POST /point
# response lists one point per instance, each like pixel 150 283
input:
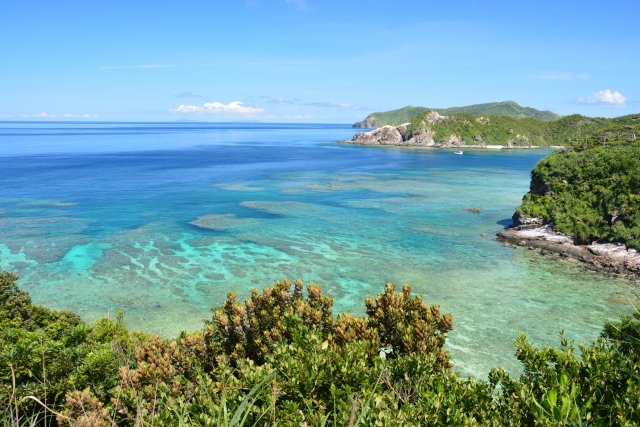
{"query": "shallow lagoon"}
pixel 162 220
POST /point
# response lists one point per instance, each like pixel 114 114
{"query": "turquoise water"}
pixel 162 220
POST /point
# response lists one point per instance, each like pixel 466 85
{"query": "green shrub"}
pixel 590 192
pixel 310 371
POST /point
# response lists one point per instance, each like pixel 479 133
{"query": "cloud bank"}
pixel 605 98
pixel 235 107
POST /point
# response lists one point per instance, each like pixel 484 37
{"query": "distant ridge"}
pixel 506 108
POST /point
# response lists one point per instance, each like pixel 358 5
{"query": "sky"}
pixel 312 61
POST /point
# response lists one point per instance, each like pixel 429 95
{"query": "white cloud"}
pixel 235 107
pixel 67 115
pixel 605 98
pixel 89 116
pixel 42 115
pixel 271 100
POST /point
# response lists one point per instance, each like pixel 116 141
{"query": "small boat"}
pixel 457 152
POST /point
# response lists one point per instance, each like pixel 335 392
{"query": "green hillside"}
pixel 507 108
pixel 498 130
pixel 591 190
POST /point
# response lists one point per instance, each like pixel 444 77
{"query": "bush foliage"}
pixel 281 358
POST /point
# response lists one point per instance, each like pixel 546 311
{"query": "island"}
pixel 432 129
pixel 505 108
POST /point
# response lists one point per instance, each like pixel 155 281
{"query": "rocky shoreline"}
pixel 611 258
pixel 404 135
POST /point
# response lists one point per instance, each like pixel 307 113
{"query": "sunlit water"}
pixel 162 220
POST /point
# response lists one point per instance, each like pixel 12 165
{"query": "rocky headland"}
pixel 423 134
pixel 535 234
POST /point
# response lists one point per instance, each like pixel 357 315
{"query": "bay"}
pixel 163 219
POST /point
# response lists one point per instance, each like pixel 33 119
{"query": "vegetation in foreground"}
pixel 591 190
pixel 506 108
pixel 281 358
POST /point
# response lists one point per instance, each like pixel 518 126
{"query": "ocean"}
pixel 162 220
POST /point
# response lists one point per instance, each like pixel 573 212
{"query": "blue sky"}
pixel 311 60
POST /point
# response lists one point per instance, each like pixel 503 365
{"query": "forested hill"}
pixel 404 115
pixel 591 190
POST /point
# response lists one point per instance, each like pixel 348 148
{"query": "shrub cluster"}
pixel 591 190
pixel 281 358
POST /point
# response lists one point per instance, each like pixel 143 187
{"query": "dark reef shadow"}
pixel 506 223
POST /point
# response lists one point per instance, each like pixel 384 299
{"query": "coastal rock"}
pixel 386 135
pixel 520 220
pixel 603 257
pixel 404 131
pixel 366 123
pixel 473 210
pixel 510 143
pixel 454 141
pixel 422 136
pixel 519 140
pixel 614 251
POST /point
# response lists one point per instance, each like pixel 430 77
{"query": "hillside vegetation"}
pixel 282 358
pixel 500 130
pixel 591 190
pixel 507 108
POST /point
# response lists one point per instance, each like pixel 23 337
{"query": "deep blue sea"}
pixel 163 219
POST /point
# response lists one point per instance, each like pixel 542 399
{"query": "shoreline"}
pixel 607 258
pixel 461 147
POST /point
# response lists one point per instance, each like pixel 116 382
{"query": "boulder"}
pixel 404 130
pixel 519 220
